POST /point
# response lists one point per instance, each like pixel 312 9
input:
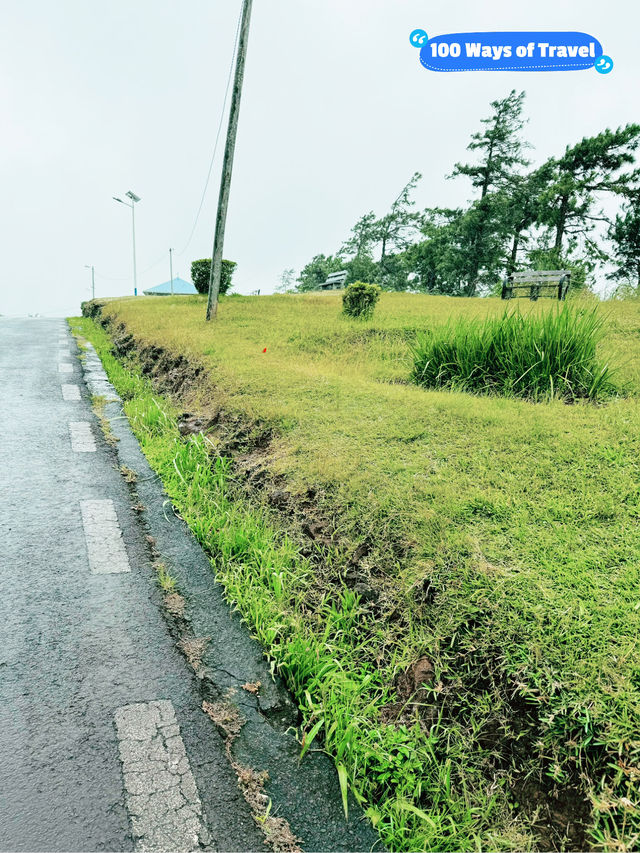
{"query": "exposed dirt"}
pixel 98 404
pixel 129 475
pixel 412 696
pixel 410 683
pixel 251 782
pixel 251 446
pixel 193 648
pixel 560 816
pixel 189 424
pixel 174 604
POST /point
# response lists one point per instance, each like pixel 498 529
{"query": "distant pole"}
pixel 135 273
pixel 93 280
pixel 134 198
pixel 227 165
pixel 171 268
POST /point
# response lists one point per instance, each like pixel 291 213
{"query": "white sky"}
pixel 337 113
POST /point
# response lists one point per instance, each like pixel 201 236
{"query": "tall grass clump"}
pixel 359 299
pixel 537 356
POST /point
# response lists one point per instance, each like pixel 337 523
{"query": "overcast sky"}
pixel 337 113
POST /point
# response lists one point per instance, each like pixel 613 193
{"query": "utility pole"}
pixel 134 198
pixel 171 268
pixel 133 225
pixel 93 280
pixel 227 165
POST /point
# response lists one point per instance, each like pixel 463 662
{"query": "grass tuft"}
pixel 544 356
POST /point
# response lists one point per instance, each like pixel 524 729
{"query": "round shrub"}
pixel 201 270
pixel 359 299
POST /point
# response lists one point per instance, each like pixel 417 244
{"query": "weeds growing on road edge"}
pixel 97 404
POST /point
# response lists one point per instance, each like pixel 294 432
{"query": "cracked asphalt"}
pixel 84 655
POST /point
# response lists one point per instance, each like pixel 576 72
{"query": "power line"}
pixel 128 277
pixel 215 147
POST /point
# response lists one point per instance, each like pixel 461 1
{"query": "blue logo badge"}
pixel 511 51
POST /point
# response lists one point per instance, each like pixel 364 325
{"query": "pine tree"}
pixel 396 230
pixel 502 155
pixel 500 144
pixel 585 170
pixel 363 237
pixel 523 208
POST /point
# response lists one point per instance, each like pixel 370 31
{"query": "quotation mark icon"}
pixel 418 38
pixel 604 64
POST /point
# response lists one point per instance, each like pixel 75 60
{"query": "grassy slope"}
pixel 515 530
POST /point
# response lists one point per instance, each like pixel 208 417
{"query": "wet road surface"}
pixel 103 745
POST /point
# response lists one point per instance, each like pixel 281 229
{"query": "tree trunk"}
pixel 562 221
pixel 383 254
pixel 514 253
pixel 489 166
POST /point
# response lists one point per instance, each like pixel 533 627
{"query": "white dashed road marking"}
pixel 107 554
pixel 160 791
pixel 82 440
pixel 65 367
pixel 70 392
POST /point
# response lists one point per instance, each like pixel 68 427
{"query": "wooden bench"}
pixel 335 281
pixel 536 283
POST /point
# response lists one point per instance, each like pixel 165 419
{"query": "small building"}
pixel 180 288
pixel 335 281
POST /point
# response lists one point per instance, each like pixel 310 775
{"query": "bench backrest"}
pixel 335 280
pixel 532 283
pixel 542 276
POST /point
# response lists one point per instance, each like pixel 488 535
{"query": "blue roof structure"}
pixel 180 287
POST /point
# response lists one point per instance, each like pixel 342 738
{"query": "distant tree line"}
pixel 548 217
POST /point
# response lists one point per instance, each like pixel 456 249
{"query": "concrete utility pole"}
pixel 227 165
pixel 171 268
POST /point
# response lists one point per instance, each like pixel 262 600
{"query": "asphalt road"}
pixel 103 745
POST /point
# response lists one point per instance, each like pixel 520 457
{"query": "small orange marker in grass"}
pixel 264 350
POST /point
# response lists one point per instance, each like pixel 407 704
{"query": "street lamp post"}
pixel 171 268
pixel 93 280
pixel 134 198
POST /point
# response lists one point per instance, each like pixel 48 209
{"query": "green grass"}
pixel 536 356
pixel 504 545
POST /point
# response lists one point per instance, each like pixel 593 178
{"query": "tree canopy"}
pixel 547 216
